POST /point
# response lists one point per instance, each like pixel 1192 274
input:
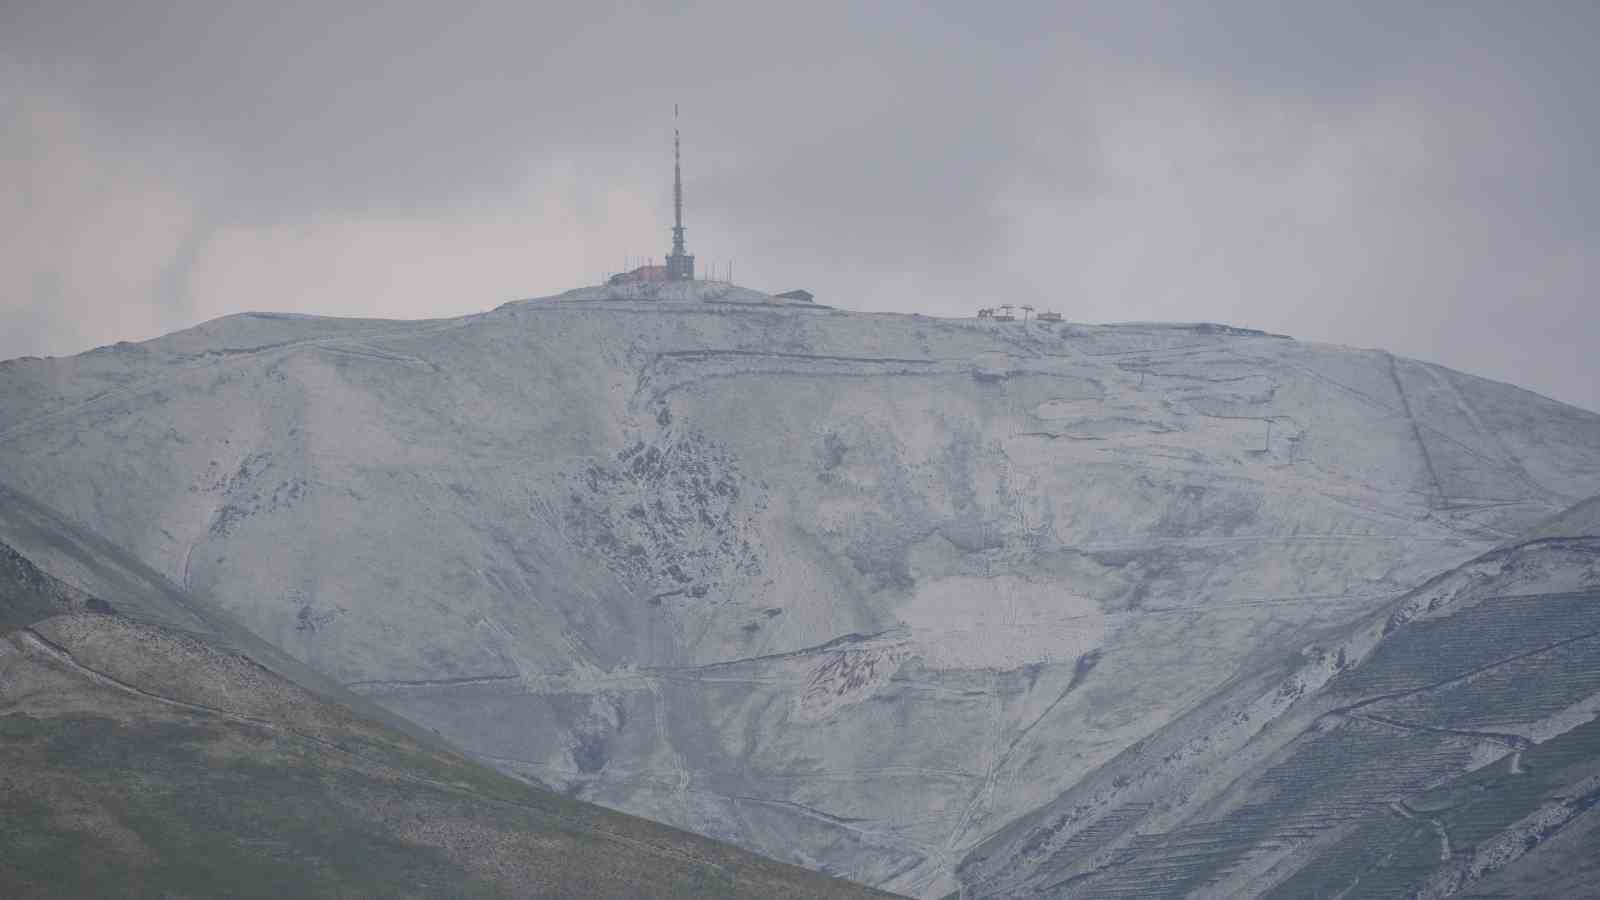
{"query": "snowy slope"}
pixel 1447 744
pixel 141 759
pixel 858 591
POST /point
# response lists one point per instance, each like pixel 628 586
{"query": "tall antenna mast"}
pixel 680 265
pixel 677 186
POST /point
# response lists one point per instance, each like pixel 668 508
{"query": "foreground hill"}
pixel 141 760
pixel 861 592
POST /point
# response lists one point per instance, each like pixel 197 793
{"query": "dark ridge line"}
pixel 109 562
pixel 1080 671
pixel 64 656
pixel 1583 592
pixel 1395 620
pixel 1416 430
pixel 370 353
pixel 852 638
pixel 827 817
pixel 1514 741
pixel 1054 436
pixel 1350 709
pixel 432 682
pixel 1476 420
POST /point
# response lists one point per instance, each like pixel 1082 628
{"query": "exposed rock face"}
pixel 857 591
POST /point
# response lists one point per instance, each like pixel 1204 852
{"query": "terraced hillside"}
pixel 141 760
pixel 861 592
pixel 1448 746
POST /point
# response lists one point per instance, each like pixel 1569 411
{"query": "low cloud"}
pixel 1413 177
pixel 88 236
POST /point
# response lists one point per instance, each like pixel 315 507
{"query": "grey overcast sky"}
pixel 1415 176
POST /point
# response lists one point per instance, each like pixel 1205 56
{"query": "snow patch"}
pixel 1002 622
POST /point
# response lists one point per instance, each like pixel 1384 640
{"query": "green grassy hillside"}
pixel 138 760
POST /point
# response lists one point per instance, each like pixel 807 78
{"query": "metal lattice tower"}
pixel 680 265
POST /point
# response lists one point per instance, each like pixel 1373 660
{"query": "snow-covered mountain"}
pixel 863 592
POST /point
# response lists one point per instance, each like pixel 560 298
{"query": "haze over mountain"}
pixel 932 604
